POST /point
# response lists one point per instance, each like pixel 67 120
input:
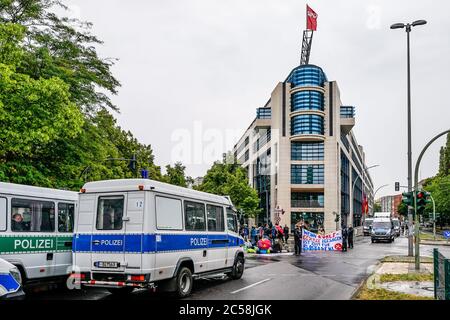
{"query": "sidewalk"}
pixel 398 279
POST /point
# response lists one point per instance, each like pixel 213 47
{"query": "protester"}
pixel 286 233
pixel 350 232
pixel 298 239
pixel 321 231
pixel 260 231
pixel 245 232
pixel 253 235
pixel 344 238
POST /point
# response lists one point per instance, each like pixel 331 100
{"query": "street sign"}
pixel 446 234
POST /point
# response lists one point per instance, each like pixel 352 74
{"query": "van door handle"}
pixel 204 253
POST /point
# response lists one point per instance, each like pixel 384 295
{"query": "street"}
pixel 314 275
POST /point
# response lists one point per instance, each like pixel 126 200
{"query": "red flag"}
pixel 365 205
pixel 311 19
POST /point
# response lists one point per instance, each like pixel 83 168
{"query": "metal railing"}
pixel 441 276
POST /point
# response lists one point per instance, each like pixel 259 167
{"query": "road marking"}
pixel 250 286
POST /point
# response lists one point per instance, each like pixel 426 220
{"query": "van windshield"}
pixel 381 225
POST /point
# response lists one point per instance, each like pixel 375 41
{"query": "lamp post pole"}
pixel 353 187
pixel 407 27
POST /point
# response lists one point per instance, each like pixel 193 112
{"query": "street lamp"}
pixel 408 30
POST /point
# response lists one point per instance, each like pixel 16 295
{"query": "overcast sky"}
pixel 194 71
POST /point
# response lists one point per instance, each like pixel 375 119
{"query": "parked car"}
pixel 382 230
pixel 397 229
pixel 10 281
pixel 367 227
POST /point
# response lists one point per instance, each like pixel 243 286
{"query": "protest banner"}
pixel 329 242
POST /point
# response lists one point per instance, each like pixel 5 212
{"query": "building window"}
pixel 312 220
pixel 307 76
pixel 347 112
pixel 307 174
pixel 345 184
pixel 215 218
pixel 262 140
pixel 263 113
pixel 307 124
pixel 357 199
pixel 307 150
pixel 307 100
pixel 307 200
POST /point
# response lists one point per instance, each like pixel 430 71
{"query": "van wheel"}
pixel 120 291
pixel 184 282
pixel 238 268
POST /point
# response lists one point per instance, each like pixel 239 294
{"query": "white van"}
pixel 386 215
pixel 140 233
pixel 36 230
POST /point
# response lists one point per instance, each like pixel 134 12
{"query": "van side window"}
pixel 169 214
pixel 194 213
pixel 231 221
pixel 215 218
pixel 66 215
pixel 3 214
pixel 110 213
pixel 32 215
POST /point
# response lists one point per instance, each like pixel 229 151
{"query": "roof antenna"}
pixel 311 26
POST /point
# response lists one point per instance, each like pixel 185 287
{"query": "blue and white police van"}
pixel 140 233
pixel 10 281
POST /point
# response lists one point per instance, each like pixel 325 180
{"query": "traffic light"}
pixel 407 198
pixel 422 198
pixel 397 186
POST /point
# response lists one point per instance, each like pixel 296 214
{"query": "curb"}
pixel 364 282
pixel 434 243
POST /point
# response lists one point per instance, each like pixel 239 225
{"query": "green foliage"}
pixel 439 187
pixel 402 209
pixel 56 46
pixel 55 127
pixel 176 175
pixel 376 207
pixel 444 158
pixel 230 179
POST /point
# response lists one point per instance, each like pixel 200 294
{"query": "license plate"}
pixel 106 264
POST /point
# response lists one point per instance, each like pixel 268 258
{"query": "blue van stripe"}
pixel 151 243
pixel 9 283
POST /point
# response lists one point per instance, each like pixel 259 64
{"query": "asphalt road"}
pixel 313 275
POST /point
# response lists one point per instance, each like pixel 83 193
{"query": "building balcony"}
pixel 262 123
pixel 347 118
pixel 306 204
pixel 307 137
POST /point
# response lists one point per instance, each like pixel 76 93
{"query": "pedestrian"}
pixel 298 239
pixel 344 238
pixel 260 232
pixel 253 235
pixel 350 236
pixel 286 233
pixel 245 232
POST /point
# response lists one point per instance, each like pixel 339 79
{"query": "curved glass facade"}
pixel 307 75
pixel 307 100
pixel 307 124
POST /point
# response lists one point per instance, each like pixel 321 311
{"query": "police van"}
pixel 10 281
pixel 36 230
pixel 140 233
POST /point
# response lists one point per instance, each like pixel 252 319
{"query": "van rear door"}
pixel 133 224
pixel 108 233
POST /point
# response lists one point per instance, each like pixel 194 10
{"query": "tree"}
pixel 402 209
pixel 64 48
pixel 56 129
pixel 444 158
pixel 230 179
pixel 376 207
pixel 439 187
pixel 176 175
